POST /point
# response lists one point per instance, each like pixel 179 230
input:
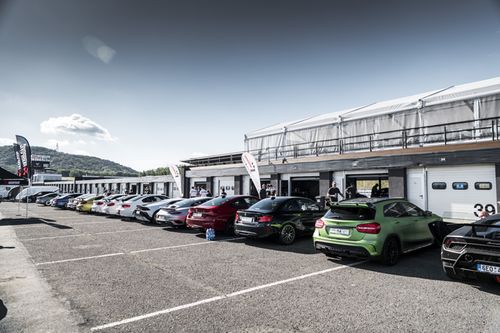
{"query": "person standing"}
pixel 193 193
pixel 333 193
pixel 350 191
pixel 203 192
pixel 263 192
pixel 223 191
pixel 375 191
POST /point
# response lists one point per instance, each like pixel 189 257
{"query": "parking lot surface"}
pixel 108 275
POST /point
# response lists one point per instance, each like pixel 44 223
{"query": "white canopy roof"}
pixel 440 96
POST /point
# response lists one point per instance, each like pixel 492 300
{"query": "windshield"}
pixel 216 201
pixel 267 205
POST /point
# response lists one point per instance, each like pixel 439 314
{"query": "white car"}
pixel 147 213
pixel 111 207
pixel 126 209
pixel 98 205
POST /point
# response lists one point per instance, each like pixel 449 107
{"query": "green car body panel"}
pixel 341 236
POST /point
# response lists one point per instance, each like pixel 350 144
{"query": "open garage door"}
pixel 368 185
pixel 307 187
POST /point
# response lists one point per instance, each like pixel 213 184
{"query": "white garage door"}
pixel 461 192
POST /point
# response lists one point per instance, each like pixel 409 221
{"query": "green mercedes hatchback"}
pixel 373 228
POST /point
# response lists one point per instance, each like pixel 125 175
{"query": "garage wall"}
pixel 227 182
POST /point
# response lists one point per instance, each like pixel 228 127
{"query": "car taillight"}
pixel 265 219
pixel 125 206
pixel 190 213
pixel 99 203
pixel 236 217
pixel 453 244
pixel 111 204
pixel 369 228
pixel 319 224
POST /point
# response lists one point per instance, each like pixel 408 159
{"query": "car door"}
pixel 310 212
pixel 396 218
pixel 421 234
pixel 290 212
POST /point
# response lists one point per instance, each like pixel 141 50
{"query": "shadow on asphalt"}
pixel 23 221
pixel 303 245
pixel 424 264
pixel 184 231
pixel 3 310
pixel 7 247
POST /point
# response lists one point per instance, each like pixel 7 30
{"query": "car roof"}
pixel 368 201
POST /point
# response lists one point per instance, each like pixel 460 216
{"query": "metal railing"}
pixel 486 129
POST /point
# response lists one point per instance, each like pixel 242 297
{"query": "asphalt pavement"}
pixel 100 274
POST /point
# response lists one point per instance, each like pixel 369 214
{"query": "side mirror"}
pixel 427 213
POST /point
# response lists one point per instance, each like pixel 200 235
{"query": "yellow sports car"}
pixel 86 205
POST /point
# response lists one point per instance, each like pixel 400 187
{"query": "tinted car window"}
pixel 411 209
pixel 307 205
pixel 394 209
pixel 267 205
pixel 239 203
pixel 291 205
pixel 350 213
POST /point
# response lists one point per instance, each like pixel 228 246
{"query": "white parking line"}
pixel 217 298
pixel 78 259
pixel 85 234
pixel 185 245
pixel 133 252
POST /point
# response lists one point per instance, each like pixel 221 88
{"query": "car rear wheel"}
pixel 287 234
pixel 390 252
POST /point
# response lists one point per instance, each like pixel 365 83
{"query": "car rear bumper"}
pixel 258 231
pixel 205 223
pixel 342 250
pixel 465 262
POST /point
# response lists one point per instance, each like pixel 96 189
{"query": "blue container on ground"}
pixel 210 234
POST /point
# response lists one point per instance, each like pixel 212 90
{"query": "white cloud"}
pixel 6 141
pixel 80 152
pixel 98 49
pixel 75 124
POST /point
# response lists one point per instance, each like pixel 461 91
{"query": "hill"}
pixel 69 164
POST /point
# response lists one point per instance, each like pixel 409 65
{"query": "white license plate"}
pixel 488 269
pixel 340 231
pixel 246 219
pixel 197 214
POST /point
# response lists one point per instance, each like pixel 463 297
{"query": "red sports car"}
pixel 218 213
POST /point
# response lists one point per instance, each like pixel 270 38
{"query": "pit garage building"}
pixel 439 149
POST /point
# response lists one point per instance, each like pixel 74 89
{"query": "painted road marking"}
pixel 85 234
pixel 221 297
pixel 185 245
pixel 78 259
pixel 133 252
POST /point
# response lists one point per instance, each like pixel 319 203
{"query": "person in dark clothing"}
pixel 333 193
pixel 263 192
pixel 350 191
pixel 375 191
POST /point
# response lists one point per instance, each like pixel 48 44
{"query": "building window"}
pixel 460 185
pixel 483 186
pixel 439 186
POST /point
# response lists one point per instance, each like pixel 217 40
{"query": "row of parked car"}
pixel 381 228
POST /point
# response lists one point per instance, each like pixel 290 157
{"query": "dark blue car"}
pixel 61 201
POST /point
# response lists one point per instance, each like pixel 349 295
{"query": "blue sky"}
pixel 147 83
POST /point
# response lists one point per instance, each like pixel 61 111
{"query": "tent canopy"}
pixel 8 178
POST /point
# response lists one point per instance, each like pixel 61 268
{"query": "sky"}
pixel 148 83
